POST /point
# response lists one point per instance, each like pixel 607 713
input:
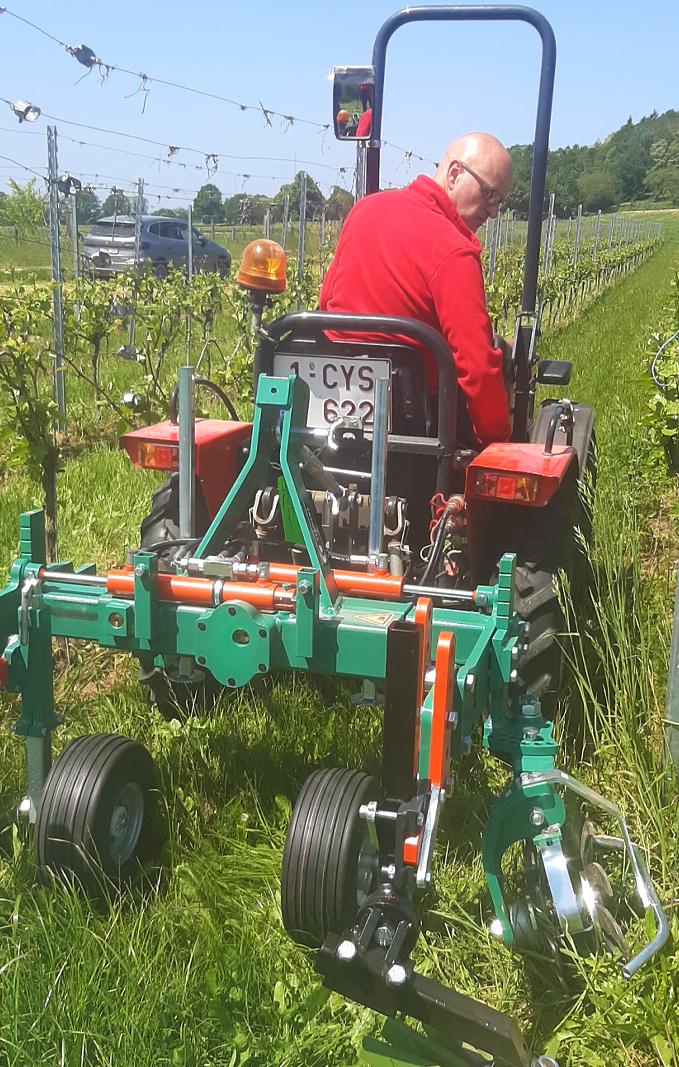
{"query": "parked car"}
pixel 109 246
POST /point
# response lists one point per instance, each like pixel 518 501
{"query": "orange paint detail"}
pixel 439 745
pixel 411 848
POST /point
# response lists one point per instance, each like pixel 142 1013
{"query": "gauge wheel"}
pixel 329 865
pixel 99 823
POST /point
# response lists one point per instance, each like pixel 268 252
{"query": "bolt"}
pixel 470 681
pixel 516 652
pixel 537 816
pixel 304 587
pixel 466 746
pixel 452 719
pixel 384 935
pixel 530 733
pixel 545 1061
pixel 553 829
pixel 346 950
pixel 513 675
pixel 396 975
pixel 140 570
pixel 390 872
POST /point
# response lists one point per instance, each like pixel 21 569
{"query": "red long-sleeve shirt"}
pixel 407 252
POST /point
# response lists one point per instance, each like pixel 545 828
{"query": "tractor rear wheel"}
pixel 536 602
pixel 99 822
pixel 162 522
pixel 161 526
pixel 329 866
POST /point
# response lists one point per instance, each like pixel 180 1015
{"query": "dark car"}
pixel 109 246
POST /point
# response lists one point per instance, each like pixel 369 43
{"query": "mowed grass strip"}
pixel 201 973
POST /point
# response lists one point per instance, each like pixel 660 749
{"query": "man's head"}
pixel 476 175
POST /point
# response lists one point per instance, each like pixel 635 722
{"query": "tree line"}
pixel 639 162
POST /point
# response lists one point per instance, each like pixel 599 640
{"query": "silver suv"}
pixel 108 248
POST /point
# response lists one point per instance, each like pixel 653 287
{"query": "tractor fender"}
pixel 514 473
pixel 583 430
pixel 219 453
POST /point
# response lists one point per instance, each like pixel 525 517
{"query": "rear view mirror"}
pixel 353 98
pixel 554 371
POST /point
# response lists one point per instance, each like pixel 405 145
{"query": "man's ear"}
pixel 453 172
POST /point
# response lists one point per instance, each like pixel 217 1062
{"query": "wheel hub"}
pixel 126 822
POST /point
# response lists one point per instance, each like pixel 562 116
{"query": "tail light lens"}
pixel 513 487
pixel 159 457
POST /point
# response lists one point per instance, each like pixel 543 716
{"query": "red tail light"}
pixel 150 454
pixel 516 473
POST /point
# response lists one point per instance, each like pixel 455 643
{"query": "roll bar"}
pixel 482 13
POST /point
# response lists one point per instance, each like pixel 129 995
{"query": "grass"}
pixel 201 973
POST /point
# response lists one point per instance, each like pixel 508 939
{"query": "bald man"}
pixel 413 252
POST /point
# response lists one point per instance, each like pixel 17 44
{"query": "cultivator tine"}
pixel 456 1017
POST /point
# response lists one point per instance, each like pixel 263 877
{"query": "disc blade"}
pixel 587 843
pixel 598 880
pixel 611 931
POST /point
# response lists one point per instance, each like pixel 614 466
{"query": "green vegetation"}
pixel 638 162
pixel 200 974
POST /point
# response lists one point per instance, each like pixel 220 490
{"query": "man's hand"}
pixel 507 348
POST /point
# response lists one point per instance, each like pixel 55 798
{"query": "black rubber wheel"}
pixel 162 522
pixel 99 823
pixel 162 525
pixel 329 866
pixel 537 603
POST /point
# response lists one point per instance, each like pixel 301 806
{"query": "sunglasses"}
pixel 493 197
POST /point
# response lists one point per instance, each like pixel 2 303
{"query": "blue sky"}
pixel 613 60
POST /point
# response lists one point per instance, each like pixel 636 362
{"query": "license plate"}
pixel 338 388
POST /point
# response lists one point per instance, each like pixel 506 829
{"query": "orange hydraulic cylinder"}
pixel 356 583
pixel 266 596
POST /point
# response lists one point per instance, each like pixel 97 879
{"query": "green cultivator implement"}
pixel 359 852
pixel 349 530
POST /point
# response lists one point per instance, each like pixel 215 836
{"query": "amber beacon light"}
pixel 262 267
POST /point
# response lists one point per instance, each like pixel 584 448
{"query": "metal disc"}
pixel 598 880
pixel 610 931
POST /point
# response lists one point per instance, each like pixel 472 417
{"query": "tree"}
pixel 88 205
pixel 236 209
pixel 598 190
pixel 207 205
pixel 23 207
pixel 663 183
pixel 338 204
pixel 116 203
pixel 172 212
pixel 315 201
